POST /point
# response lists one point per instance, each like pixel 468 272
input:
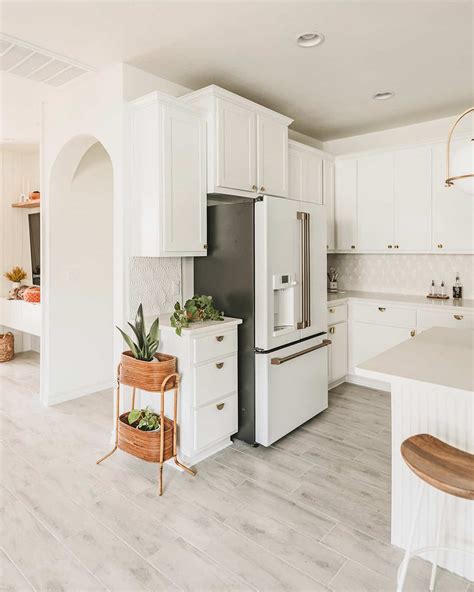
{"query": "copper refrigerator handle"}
pixel 308 270
pixel 302 216
pixel 278 361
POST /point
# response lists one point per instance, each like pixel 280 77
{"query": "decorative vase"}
pixel 15 285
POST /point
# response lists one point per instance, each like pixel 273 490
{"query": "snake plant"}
pixel 146 344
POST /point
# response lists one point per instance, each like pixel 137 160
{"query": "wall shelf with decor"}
pixel 34 203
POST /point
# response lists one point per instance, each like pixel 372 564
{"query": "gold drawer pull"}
pixel 458 317
pixel 332 330
pixel 332 310
pixel 220 406
pixel 413 332
pixel 220 365
pixel 220 338
pixel 382 309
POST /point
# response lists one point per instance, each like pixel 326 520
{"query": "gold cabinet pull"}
pixel 262 188
pixel 353 246
pixel 205 247
pixel 220 406
pixel 220 337
pixel 382 309
pixel 440 246
pixel 389 246
pixel 413 332
pixel 254 187
pixel 396 247
pixel 332 310
pixel 332 330
pixel 458 317
pixel 220 365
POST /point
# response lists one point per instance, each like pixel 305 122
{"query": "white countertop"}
pixel 408 299
pixel 199 327
pixel 438 356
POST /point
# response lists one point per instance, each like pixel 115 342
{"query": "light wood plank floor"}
pixel 310 513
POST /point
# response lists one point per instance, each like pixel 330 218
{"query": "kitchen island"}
pixel 432 389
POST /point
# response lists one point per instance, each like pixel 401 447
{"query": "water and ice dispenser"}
pixel 284 302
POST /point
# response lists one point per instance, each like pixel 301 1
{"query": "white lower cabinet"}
pixel 207 364
pixel 337 352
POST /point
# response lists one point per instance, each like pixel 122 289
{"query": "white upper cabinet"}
pixel 247 144
pixel 412 199
pixel 236 166
pixel 453 210
pixel 375 202
pixel 305 172
pixel 272 150
pixel 328 195
pixel 346 204
pixel 167 178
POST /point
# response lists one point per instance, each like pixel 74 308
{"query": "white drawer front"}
pixel 435 318
pixel 337 314
pixel 215 379
pixel 215 422
pixel 214 346
pixel 383 314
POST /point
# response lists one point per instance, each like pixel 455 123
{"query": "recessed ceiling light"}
pixel 383 96
pixel 310 39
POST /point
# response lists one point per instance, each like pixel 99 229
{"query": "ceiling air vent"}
pixel 37 64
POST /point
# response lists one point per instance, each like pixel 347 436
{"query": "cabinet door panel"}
pixel 236 145
pixel 272 150
pixel 453 209
pixel 184 182
pixel 313 178
pixel 412 199
pixel 346 204
pixel 295 173
pixel 328 200
pixel 338 363
pixel 375 202
pixel 367 340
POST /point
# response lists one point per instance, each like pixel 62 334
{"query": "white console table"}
pixel 25 317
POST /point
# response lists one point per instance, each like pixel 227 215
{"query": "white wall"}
pixel 428 131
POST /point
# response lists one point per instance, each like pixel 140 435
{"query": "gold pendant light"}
pixel 462 171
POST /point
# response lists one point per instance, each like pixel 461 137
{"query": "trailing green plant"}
pixel 146 419
pixel 146 344
pixel 16 274
pixel 197 308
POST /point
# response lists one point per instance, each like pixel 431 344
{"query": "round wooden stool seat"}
pixel 442 466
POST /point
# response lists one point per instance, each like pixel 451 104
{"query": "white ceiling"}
pixel 420 50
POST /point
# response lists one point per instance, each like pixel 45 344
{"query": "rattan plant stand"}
pixel 157 446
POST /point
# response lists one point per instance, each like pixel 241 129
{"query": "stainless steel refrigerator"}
pixel 266 264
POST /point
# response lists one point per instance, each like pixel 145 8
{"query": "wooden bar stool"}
pixel 448 470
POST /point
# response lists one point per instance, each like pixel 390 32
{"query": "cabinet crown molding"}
pixel 214 91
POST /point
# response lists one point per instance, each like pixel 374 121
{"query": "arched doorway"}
pixel 77 342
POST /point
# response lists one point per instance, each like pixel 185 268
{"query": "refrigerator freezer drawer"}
pixel 291 388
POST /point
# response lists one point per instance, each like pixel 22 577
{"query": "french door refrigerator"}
pixel 266 264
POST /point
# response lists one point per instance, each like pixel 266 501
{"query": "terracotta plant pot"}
pixel 147 376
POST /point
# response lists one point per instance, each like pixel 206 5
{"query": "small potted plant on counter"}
pixel 142 366
pixel 16 276
pixel 198 308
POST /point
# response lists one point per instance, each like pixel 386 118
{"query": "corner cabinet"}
pixel 167 178
pixel 346 205
pixel 247 144
pixel 305 173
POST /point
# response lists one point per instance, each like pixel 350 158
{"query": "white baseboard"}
pixel 368 382
pixel 337 382
pixel 76 394
pixel 200 456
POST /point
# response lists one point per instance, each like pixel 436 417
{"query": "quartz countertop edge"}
pixel 400 299
pixel 199 327
pixel 440 356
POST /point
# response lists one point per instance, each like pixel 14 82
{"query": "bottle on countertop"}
pixel 442 291
pixel 457 288
pixel 433 288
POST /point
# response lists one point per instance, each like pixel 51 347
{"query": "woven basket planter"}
pixel 147 376
pixel 7 347
pixel 145 445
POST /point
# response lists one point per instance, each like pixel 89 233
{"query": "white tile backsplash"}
pixel 155 282
pixel 403 274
